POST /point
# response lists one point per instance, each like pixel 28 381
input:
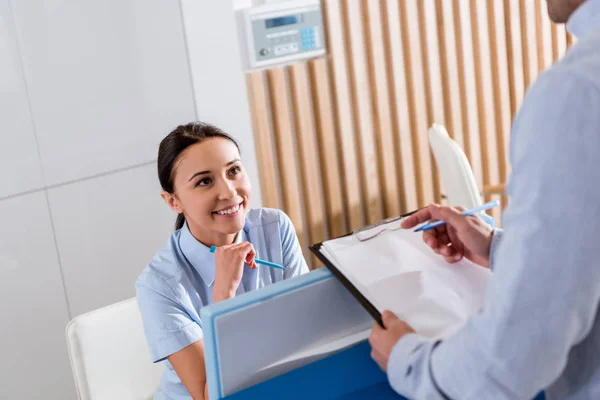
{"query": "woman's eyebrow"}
pixel 208 172
pixel 199 173
pixel 232 162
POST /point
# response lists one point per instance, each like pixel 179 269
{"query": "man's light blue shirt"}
pixel 179 280
pixel 540 327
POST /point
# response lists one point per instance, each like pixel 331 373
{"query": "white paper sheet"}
pixel 397 271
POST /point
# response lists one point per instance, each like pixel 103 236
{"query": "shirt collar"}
pixel 199 255
pixel 585 19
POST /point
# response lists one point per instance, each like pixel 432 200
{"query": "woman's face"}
pixel 212 190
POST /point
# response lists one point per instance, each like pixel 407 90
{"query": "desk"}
pixel 348 375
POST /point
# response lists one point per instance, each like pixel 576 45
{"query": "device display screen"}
pixel 282 21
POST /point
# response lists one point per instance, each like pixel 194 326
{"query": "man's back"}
pixel 581 377
pixel 571 161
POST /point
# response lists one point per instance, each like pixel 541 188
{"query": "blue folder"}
pixel 349 375
pixel 280 319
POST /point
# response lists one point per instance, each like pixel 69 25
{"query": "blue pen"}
pixel 256 260
pixel 475 210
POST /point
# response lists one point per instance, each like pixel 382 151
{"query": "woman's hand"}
pixel 229 268
pixel 460 237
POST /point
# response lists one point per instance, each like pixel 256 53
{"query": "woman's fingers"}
pixel 245 251
pixel 249 254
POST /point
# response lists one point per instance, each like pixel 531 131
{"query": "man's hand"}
pixel 383 340
pixel 461 236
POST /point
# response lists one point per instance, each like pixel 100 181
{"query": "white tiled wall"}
pixel 106 80
pixel 34 312
pixel 107 228
pixel 17 141
pixel 87 90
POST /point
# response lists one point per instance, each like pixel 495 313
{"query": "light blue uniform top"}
pixel 540 328
pixel 179 280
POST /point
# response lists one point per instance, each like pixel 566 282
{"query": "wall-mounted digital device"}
pixel 281 32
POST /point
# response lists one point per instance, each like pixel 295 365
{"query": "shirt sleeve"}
pixel 167 326
pixel 293 259
pixel 544 294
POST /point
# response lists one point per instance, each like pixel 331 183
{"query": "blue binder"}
pixel 349 375
pixel 243 336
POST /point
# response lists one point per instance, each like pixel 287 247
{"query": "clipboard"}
pixel 316 250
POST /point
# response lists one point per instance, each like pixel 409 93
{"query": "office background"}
pixel 353 126
pixel 88 89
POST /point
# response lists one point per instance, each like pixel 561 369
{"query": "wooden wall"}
pixel 341 141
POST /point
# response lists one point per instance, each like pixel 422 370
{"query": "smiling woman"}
pixel 204 181
pixel 201 174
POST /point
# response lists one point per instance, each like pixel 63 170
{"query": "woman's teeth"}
pixel 231 210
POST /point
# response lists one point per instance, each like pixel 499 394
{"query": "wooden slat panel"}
pixel 561 30
pixel 328 147
pixel 384 134
pixel 263 138
pixel 411 41
pixel 529 42
pixel 308 154
pixel 512 17
pixel 400 111
pixel 468 88
pixel 363 110
pixel 433 84
pixel 544 35
pixel 284 139
pixel 559 41
pixel 500 78
pixel 451 76
pixel 393 68
pixel 344 112
pixel 484 83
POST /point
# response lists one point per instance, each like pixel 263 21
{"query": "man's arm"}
pixel 543 297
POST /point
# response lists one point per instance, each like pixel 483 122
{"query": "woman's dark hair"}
pixel 175 143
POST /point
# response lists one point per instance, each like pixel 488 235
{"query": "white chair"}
pixel 109 355
pixel 455 171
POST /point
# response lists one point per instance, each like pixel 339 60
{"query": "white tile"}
pixel 219 87
pixel 34 310
pixel 107 79
pixel 107 229
pixel 20 168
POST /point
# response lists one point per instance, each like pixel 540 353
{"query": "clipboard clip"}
pixel 371 231
pixel 374 230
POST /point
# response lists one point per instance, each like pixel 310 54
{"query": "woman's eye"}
pixel 235 170
pixel 204 182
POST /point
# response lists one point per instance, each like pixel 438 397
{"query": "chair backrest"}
pixel 455 171
pixel 109 355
